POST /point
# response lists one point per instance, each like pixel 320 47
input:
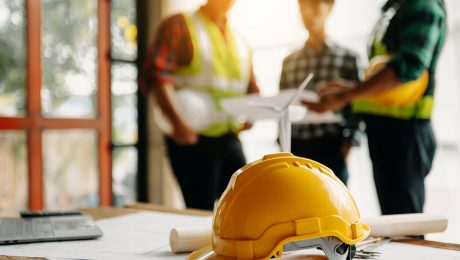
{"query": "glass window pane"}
pixel 70 168
pixel 12 61
pixel 13 177
pixel 124 128
pixel 123 29
pixel 124 78
pixel 69 55
pixel 124 103
pixel 124 175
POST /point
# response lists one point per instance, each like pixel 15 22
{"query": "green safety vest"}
pixel 220 67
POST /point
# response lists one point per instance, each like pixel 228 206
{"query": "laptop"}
pixel 43 229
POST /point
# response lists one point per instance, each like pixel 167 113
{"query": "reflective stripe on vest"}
pixel 220 67
pixel 421 110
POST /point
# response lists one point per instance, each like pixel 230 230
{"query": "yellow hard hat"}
pixel 403 95
pixel 278 201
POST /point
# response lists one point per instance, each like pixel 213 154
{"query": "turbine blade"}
pixel 299 91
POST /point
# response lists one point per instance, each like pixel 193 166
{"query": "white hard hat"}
pixel 196 107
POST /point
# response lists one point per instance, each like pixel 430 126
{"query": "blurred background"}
pixel 76 132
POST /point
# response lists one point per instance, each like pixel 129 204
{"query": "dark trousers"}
pixel 203 170
pixel 326 150
pixel 402 153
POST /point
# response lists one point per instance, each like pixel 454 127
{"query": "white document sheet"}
pixel 403 251
pixel 138 236
pixel 251 107
pixel 389 251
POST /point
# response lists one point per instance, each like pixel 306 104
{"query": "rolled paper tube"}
pixel 406 224
pixel 189 239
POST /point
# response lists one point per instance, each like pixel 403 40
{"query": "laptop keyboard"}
pixel 19 228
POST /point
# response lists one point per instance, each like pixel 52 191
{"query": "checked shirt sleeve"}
pixel 420 29
pixel 171 48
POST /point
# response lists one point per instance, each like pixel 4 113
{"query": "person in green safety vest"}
pixel 397 100
pixel 197 53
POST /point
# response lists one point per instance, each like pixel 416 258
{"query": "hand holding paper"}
pixel 331 97
pixel 253 107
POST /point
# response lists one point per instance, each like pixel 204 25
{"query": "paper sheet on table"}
pixel 246 107
pixel 390 251
pixel 138 236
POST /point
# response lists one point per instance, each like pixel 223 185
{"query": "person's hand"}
pixel 332 97
pixel 183 134
pixel 245 126
pixel 326 103
pixel 332 87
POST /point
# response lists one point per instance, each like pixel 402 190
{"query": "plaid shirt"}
pixel 172 48
pixel 333 63
pixel 415 34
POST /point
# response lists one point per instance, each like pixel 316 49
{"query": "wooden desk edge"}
pixel 193 212
pixel 110 212
pixel 429 243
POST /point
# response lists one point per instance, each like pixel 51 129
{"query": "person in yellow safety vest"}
pixel 397 100
pixel 199 52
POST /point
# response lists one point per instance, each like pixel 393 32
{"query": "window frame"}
pixel 34 122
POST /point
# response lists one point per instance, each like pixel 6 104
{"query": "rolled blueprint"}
pixel 405 224
pixel 189 239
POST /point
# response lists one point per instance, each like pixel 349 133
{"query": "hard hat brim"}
pixel 206 253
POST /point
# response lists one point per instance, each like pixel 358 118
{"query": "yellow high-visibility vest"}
pixel 220 67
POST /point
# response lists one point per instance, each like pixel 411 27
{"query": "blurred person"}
pixel 200 52
pixel 397 100
pixel 328 143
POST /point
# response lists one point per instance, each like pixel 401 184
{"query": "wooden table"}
pixel 109 212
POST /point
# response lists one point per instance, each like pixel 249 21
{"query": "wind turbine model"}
pixel 287 113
